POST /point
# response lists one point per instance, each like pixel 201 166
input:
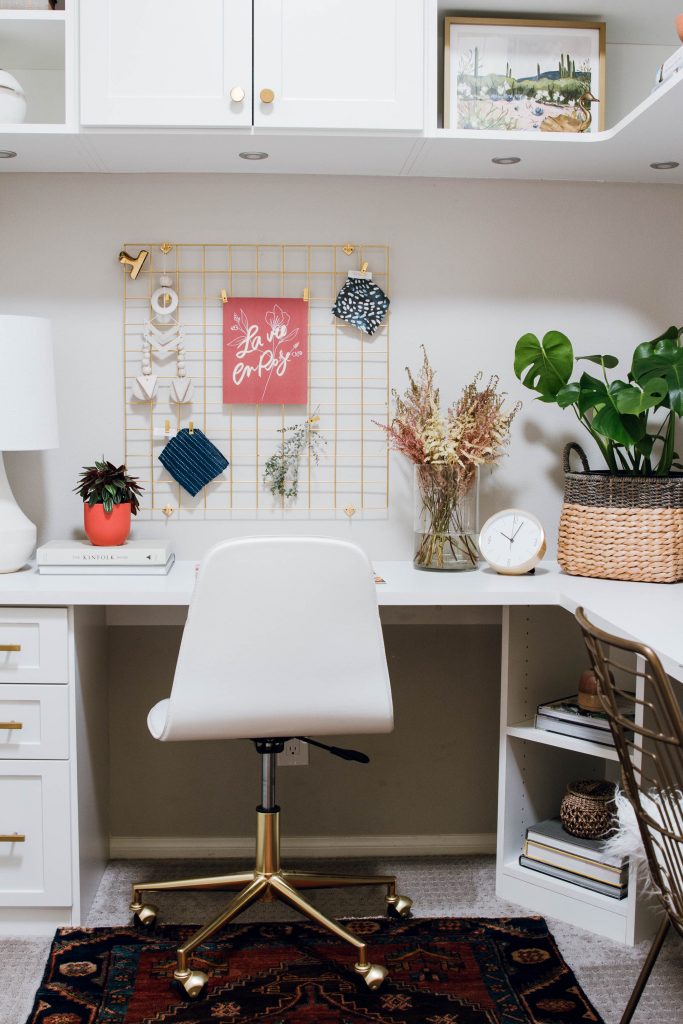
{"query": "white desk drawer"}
pixel 35 871
pixel 33 645
pixel 34 722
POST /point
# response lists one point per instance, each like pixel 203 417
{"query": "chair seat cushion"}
pixel 156 719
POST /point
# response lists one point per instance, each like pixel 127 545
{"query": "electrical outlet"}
pixel 295 752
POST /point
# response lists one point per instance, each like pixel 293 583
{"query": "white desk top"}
pixel 650 612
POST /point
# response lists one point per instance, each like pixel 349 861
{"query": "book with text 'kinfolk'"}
pixel 83 553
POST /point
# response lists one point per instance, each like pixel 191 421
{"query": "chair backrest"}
pixel 647 726
pixel 282 638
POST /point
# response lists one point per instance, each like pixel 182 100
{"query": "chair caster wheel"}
pixel 373 975
pixel 191 984
pixel 399 906
pixel 144 914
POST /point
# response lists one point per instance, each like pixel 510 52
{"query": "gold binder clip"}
pixel 191 427
pixel 134 262
pixel 167 427
pixel 306 294
pixel 224 296
pixel 167 510
pixel 348 249
pixel 166 248
pixel 350 511
pixel 364 268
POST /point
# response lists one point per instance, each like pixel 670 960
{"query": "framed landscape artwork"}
pixel 506 74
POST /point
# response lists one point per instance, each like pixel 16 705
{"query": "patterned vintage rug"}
pixel 442 971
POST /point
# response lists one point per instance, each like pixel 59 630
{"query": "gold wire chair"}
pixel 651 757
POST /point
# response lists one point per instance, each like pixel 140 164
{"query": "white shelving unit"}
pixel 36 47
pixel 543 656
pixel 40 48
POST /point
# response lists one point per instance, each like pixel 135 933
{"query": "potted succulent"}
pixel 110 497
pixel 625 522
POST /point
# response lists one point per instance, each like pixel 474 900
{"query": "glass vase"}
pixel 446 518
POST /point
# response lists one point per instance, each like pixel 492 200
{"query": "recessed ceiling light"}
pixel 664 165
pixel 505 160
pixel 7 154
pixel 253 155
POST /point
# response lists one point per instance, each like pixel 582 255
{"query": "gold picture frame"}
pixel 482 94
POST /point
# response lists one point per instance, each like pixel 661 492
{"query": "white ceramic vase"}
pixel 12 100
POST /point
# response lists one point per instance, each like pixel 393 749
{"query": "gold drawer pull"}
pixel 10 647
pixel 11 725
pixel 14 838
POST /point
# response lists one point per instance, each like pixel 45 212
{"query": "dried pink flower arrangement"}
pixel 447 451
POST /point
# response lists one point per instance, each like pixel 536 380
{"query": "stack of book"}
pixel 548 848
pixel 81 558
pixel 564 716
pixel 669 68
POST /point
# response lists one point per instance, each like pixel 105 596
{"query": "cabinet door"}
pixel 165 62
pixel 338 64
pixel 35 834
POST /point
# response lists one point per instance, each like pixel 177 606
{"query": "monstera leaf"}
pixel 662 359
pixel 548 363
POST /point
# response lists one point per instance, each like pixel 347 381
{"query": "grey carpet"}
pixel 439 886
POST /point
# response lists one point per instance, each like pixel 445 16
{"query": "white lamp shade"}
pixel 28 400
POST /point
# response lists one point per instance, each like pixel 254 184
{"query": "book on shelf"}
pixel 576 729
pixel 82 552
pixel 613 891
pixel 549 843
pixel 566 717
pixel 108 569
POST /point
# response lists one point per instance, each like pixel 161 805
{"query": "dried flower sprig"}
pixel 281 472
pixel 447 450
pixel 474 432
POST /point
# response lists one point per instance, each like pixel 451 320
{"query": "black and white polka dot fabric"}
pixel 361 303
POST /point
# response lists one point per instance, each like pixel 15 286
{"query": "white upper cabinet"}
pixel 166 62
pixel 329 64
pixel 351 64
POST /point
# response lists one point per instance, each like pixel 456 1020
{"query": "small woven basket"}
pixel 587 809
pixel 621 527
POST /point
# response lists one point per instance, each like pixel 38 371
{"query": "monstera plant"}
pixel 632 420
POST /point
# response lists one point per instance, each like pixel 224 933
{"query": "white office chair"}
pixel 282 639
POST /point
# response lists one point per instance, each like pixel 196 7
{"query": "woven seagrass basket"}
pixel 621 527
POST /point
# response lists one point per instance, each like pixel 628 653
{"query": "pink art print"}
pixel 265 351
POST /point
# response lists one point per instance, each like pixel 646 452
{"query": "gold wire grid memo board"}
pixel 348 384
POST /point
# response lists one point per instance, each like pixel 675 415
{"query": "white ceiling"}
pixel 628 21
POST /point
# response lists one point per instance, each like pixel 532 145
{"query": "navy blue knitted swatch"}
pixel 192 460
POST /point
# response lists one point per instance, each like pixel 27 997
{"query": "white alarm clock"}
pixel 512 541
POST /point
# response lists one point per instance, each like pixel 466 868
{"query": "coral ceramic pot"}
pixel 107 529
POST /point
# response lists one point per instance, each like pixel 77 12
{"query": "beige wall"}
pixel 435 774
pixel 474 265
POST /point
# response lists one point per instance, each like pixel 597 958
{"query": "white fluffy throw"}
pixel 627 842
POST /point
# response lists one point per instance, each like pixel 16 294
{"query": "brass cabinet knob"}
pixel 267 95
pixel 237 94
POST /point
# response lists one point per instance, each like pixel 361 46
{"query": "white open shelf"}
pixel 33 49
pixel 567 889
pixel 527 731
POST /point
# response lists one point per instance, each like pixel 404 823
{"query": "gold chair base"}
pixel 266 882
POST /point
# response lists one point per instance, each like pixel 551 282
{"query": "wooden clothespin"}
pixel 224 296
pixel 361 275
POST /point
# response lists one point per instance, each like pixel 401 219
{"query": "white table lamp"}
pixel 28 421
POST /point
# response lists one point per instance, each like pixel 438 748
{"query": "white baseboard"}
pixel 189 847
